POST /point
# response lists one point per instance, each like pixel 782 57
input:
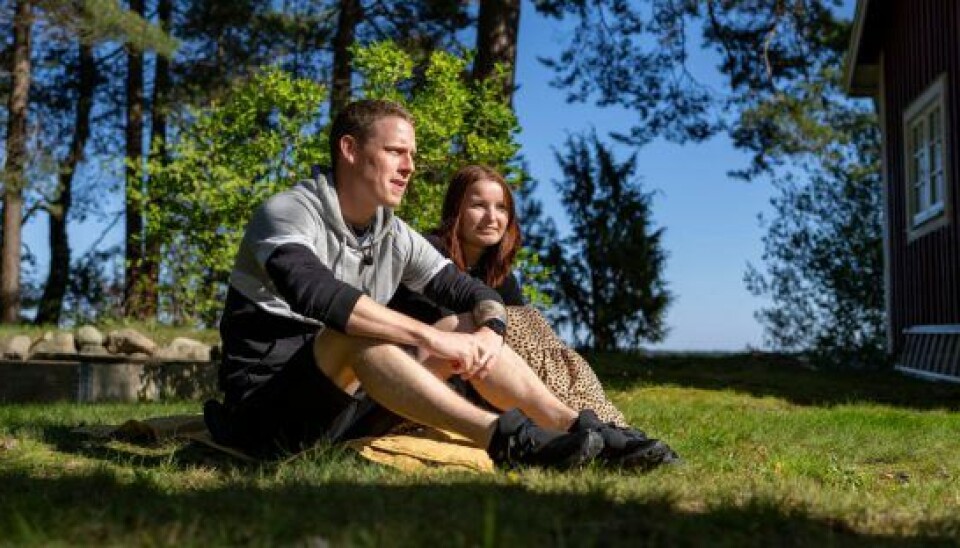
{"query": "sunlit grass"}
pixel 774 455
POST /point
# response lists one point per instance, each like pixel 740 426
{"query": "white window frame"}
pixel 926 159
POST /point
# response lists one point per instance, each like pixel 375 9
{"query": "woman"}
pixel 479 233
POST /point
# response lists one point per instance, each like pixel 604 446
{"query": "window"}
pixel 926 163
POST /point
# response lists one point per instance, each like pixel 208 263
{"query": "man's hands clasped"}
pixel 472 355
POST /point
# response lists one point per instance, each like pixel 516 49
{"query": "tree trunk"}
pixel 51 303
pixel 13 176
pixel 158 137
pixel 351 12
pixel 133 233
pixel 497 27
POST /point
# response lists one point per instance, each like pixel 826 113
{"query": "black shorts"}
pixel 299 406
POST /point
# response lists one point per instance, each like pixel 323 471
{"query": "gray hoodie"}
pixel 309 214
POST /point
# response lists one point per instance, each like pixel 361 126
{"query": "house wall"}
pixel 921 43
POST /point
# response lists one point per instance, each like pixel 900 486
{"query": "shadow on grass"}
pixel 178 454
pixel 100 508
pixel 770 375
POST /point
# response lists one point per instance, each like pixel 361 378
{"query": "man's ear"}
pixel 349 147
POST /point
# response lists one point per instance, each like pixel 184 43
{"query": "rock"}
pixel 130 341
pixel 18 348
pixel 54 344
pixel 88 335
pixel 93 350
pixel 183 348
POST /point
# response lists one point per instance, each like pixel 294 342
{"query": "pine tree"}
pixel 13 173
pixel 609 270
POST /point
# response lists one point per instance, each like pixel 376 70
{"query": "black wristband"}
pixel 496 325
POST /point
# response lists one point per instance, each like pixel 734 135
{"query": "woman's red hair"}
pixel 497 261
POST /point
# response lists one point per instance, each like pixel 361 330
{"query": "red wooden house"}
pixel 906 55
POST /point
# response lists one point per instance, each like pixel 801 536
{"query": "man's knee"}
pixel 336 354
pixel 375 353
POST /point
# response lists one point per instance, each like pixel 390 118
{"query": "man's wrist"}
pixel 496 325
pixel 487 309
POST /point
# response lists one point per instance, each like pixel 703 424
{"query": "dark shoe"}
pixel 625 447
pixel 518 442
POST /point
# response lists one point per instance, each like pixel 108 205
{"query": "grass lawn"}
pixel 775 455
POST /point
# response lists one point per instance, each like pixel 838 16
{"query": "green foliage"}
pixel 232 157
pixel 535 276
pixel 266 133
pixel 107 19
pixel 823 248
pixel 95 22
pixel 609 270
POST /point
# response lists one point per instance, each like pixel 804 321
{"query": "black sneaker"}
pixel 625 447
pixel 518 442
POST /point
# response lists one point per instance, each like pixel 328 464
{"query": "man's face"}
pixel 383 163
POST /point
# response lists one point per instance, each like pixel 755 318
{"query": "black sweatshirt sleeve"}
pixel 510 291
pixel 309 287
pixel 457 291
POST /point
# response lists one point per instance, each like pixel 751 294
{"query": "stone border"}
pixel 104 378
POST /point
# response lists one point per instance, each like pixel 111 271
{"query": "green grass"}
pixel 775 455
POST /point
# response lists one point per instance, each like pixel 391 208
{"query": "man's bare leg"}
pixel 401 384
pixel 511 383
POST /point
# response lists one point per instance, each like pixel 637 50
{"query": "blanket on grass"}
pixel 412 450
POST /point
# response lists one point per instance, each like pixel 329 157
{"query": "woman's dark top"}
pixel 422 308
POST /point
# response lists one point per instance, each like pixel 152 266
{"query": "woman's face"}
pixel 484 215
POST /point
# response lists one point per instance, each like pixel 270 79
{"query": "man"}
pixel 310 352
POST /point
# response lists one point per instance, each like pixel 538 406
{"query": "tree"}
pixel 63 102
pixel 623 55
pixel 233 156
pixel 784 106
pixel 823 251
pixel 350 14
pixel 159 110
pixel 823 248
pixel 418 27
pixel 13 174
pixel 51 302
pixel 134 304
pixel 823 267
pixel 498 24
pixel 609 270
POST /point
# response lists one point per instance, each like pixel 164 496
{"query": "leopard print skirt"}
pixel 562 369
